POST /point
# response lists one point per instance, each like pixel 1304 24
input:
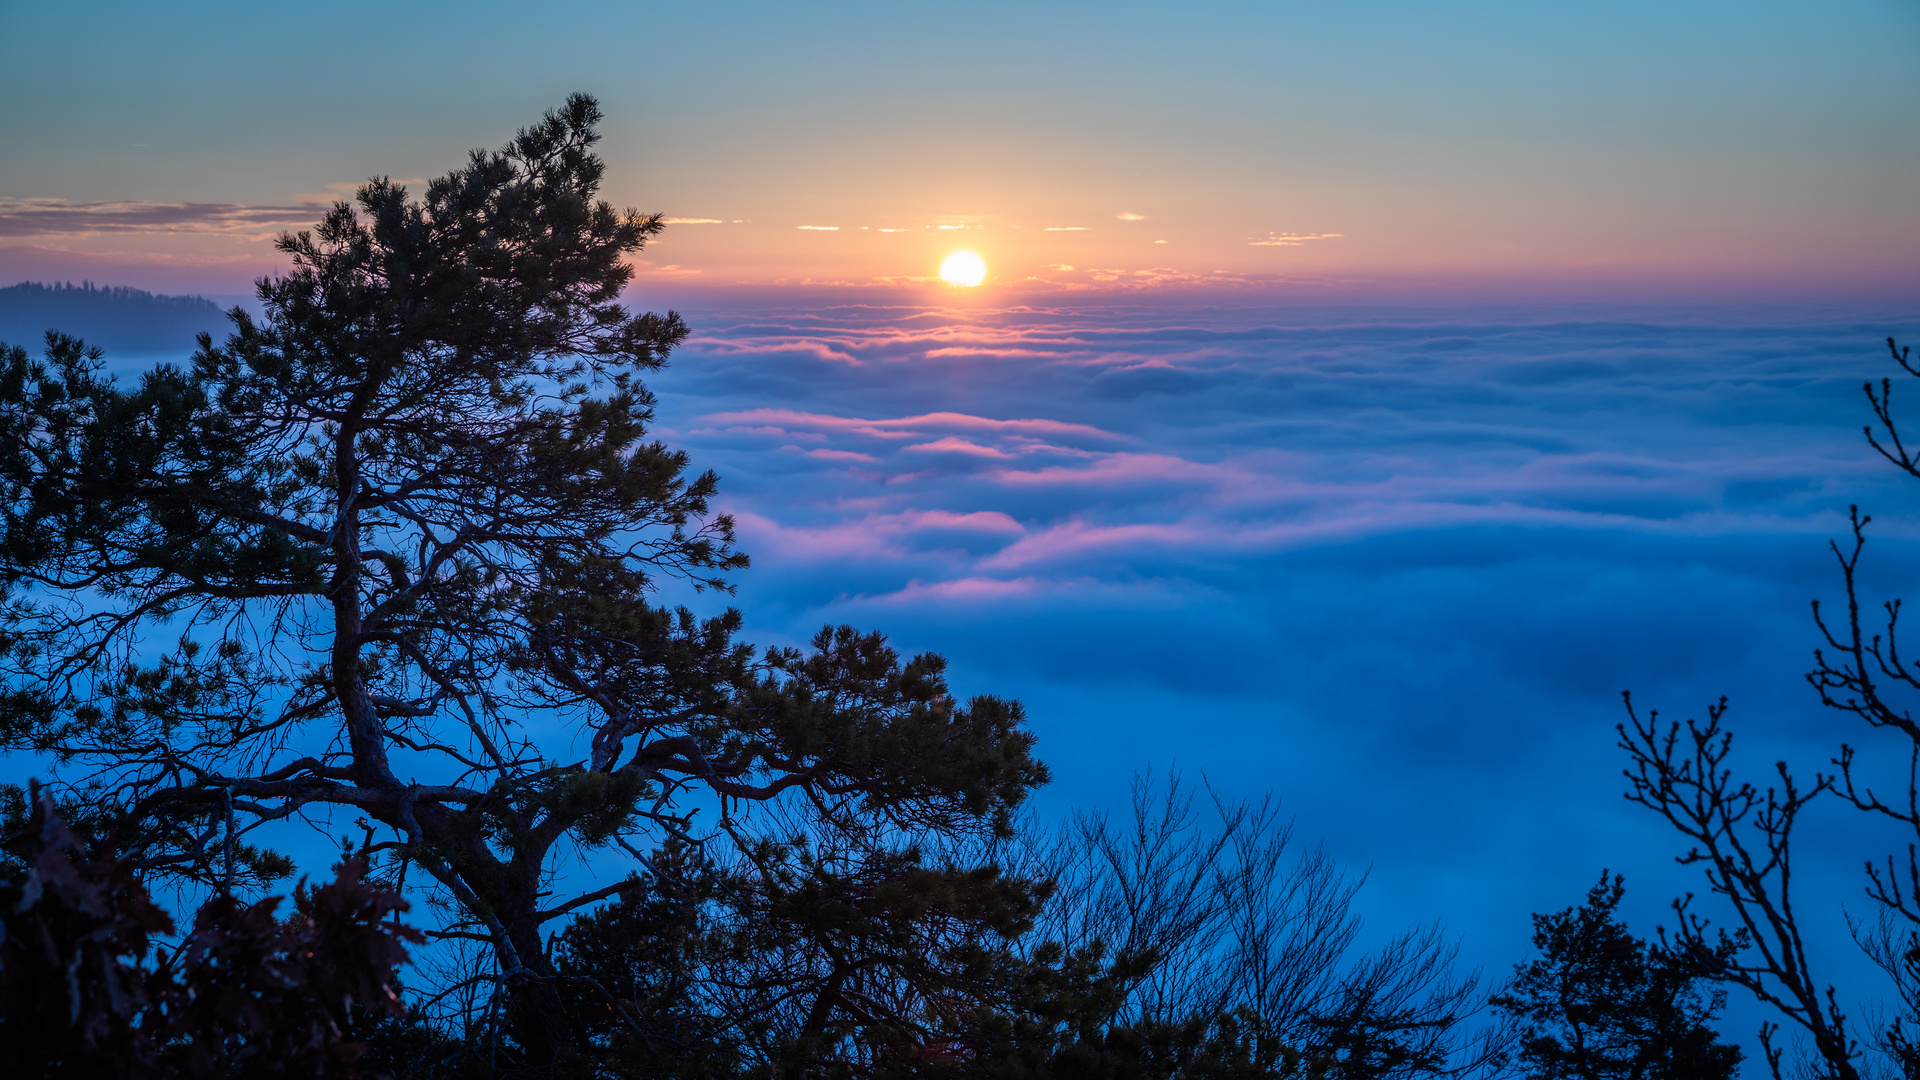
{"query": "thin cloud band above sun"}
pixel 1292 239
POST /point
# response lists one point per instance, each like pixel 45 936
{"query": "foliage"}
pixel 247 994
pixel 1172 948
pixel 380 554
pixel 72 932
pixel 244 994
pixel 1599 1003
pixel 1230 957
pixel 636 974
pixel 808 959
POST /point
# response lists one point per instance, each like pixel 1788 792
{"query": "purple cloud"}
pixel 57 217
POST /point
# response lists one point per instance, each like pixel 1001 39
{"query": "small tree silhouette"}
pixel 1601 1004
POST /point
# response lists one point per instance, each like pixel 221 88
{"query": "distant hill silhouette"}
pixel 116 318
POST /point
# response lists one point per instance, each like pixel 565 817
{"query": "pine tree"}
pixel 387 554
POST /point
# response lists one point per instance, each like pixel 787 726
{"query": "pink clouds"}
pixel 1121 468
pixel 964 590
pixel 984 446
pixel 985 521
pixel 1079 538
pixel 895 535
pixel 1259 500
pixel 902 334
pixel 899 427
pixel 840 540
pixel 825 454
pixel 1248 503
pixel 954 445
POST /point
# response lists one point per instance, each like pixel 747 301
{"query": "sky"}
pixel 1360 396
pixel 1625 148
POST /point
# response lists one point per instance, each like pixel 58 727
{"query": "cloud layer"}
pixel 1395 565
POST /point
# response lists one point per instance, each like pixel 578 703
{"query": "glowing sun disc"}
pixel 963 268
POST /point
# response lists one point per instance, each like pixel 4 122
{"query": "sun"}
pixel 963 268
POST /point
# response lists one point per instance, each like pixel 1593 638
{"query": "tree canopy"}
pixel 386 551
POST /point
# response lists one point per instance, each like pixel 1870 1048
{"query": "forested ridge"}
pixel 115 317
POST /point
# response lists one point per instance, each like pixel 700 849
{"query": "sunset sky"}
pixel 1359 397
pixel 1620 148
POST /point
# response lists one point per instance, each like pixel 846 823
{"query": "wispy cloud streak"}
pixel 57 217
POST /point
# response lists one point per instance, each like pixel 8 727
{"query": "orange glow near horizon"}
pixel 963 268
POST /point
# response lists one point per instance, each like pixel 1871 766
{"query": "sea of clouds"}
pixel 1392 565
